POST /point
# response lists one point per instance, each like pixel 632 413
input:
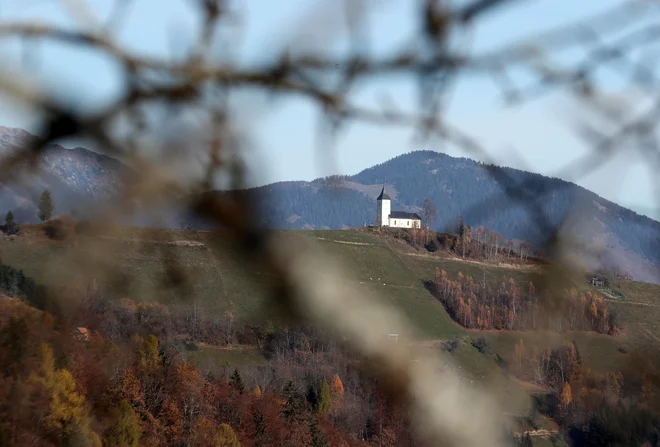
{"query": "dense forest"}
pixel 123 379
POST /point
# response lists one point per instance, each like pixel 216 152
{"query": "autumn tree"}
pixel 324 403
pixel 148 355
pixel 467 236
pixel 257 391
pixel 63 409
pixel 337 391
pixel 566 397
pixel 46 207
pixel 125 430
pixel 226 437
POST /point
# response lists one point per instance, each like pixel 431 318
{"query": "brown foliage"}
pixel 62 228
pixel 481 306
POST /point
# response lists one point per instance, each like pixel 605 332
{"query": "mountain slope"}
pixel 459 187
pixel 463 188
pixel 77 178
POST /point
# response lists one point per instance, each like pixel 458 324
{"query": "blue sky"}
pixel 538 136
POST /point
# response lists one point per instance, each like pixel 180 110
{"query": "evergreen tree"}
pixel 318 437
pixel 294 404
pixel 259 426
pixel 236 381
pixel 45 206
pixel 312 397
pixel 526 441
pixel 10 225
pixel 324 405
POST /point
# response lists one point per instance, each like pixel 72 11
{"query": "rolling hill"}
pixel 459 187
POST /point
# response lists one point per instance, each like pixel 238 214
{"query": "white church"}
pixel 385 217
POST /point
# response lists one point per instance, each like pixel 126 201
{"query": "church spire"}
pixel 383 195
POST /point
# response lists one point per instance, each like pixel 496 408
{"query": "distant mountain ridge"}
pixel 77 178
pixel 459 187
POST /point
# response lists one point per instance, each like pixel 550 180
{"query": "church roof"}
pixel 383 195
pixel 404 215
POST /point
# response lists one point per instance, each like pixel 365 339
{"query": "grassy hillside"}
pixel 144 265
pixel 176 267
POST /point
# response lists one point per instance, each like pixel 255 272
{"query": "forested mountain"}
pixel 459 188
pixel 466 189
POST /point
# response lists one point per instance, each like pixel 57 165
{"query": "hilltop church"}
pixel 385 217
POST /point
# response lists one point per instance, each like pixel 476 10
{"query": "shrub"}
pixel 482 345
pixel 432 246
pixel 10 229
pixel 451 345
pixel 61 228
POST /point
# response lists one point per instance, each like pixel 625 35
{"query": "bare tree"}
pixel 430 212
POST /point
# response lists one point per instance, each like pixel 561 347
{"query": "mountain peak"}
pixel 77 177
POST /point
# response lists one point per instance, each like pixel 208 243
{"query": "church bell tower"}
pixel 384 209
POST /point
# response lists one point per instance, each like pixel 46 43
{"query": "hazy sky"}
pixel 539 136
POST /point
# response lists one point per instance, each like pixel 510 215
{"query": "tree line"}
pixel 127 379
pixel 592 408
pixel 507 306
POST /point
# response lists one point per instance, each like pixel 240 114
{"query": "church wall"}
pixel 383 214
pixel 404 223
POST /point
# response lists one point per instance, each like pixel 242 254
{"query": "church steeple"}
pixel 383 195
pixel 384 207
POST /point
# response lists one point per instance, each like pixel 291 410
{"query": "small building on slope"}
pixel 385 217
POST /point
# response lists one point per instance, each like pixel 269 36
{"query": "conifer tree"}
pixel 10 225
pixel 294 404
pixel 45 206
pixel 324 405
pixel 236 381
pixel 312 397
pixel 317 436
